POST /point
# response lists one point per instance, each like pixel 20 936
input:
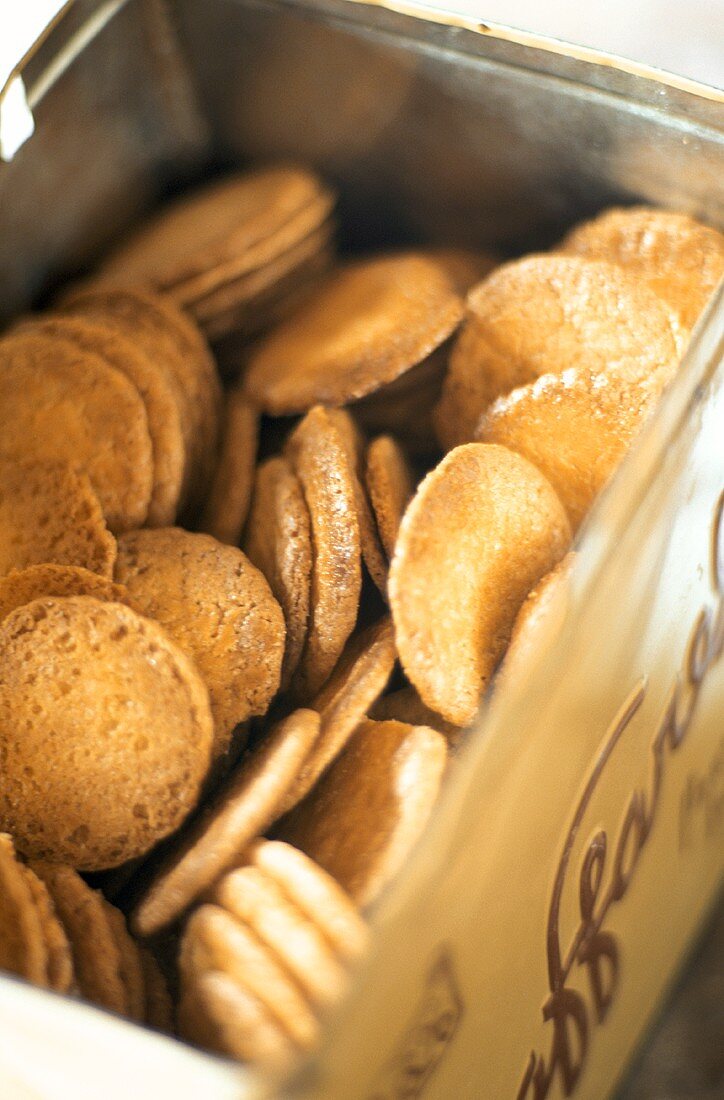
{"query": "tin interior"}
pixel 432 132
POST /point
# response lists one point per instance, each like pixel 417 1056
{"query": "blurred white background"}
pixel 683 36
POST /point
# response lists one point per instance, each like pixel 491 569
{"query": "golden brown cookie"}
pixel 546 604
pixel 60 971
pixel 405 705
pixel 246 806
pixel 404 408
pixel 84 916
pixel 367 812
pixel 216 224
pixel 217 1014
pixel 295 941
pixel 390 486
pixel 227 504
pixel 575 427
pixel 681 259
pixel 464 266
pixel 22 586
pixel 50 513
pixel 358 679
pixel 23 948
pixel 315 893
pixel 259 257
pixel 76 673
pixel 218 608
pixel 159 1007
pixel 216 940
pixel 482 529
pixel 130 964
pixel 73 408
pixel 278 541
pixel 545 314
pixel 367 325
pixel 372 553
pixel 171 340
pixel 319 457
pixel 159 397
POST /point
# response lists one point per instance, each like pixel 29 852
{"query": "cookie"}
pixel 216 224
pixel 545 314
pixel 83 913
pixel 159 397
pixel 543 608
pixel 482 529
pixel 366 326
pixel 76 409
pixel 170 339
pixel 246 806
pixel 389 483
pixel 278 541
pixel 60 970
pixel 50 513
pixel 214 939
pixel 158 1005
pixel 23 586
pixel 76 673
pixel 679 258
pixel 216 1013
pixel 359 678
pixel 405 705
pixel 218 608
pixel 227 504
pixel 316 894
pixel 372 553
pixel 464 266
pixel 298 945
pixel 130 964
pixel 368 811
pixel 575 427
pixel 23 949
pixel 258 258
pixel 318 455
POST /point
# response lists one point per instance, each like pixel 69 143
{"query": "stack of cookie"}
pixel 242 633
pixel 59 934
pixel 236 255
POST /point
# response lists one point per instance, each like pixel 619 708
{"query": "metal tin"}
pixel 578 843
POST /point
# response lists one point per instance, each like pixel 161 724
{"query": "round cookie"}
pixel 358 679
pixel 278 541
pixel 575 427
pixel 70 406
pixel 368 324
pixel 159 397
pixel 368 811
pixel 315 893
pixel 216 940
pixel 215 224
pixel 389 483
pixel 61 973
pixel 319 457
pixel 84 915
pixel 23 586
pixel 76 673
pixel 227 504
pixel 23 949
pixel 50 513
pixel 679 258
pixel 545 314
pixel 130 964
pixel 218 608
pixel 257 901
pixel 170 339
pixel 482 529
pixel 247 805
